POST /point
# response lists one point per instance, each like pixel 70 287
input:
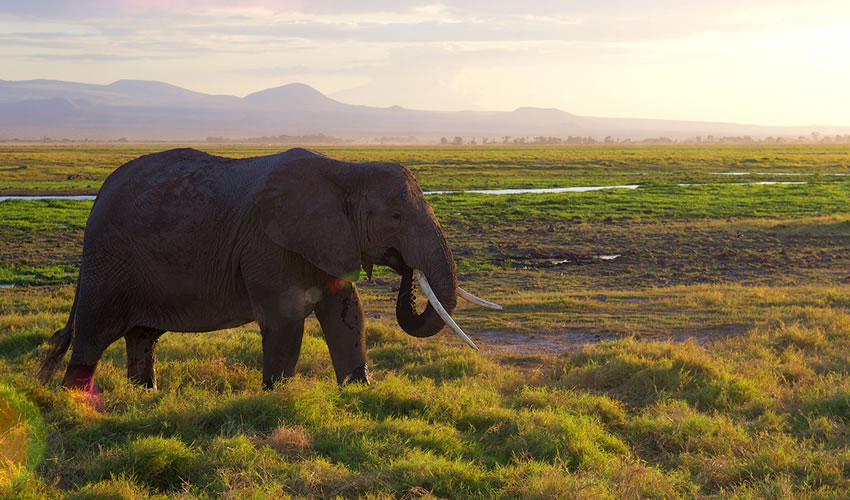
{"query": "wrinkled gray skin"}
pixel 189 242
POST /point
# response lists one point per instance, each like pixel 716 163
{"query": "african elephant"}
pixel 190 242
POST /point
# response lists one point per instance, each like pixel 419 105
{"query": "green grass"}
pixel 22 437
pixel 760 412
pixel 20 216
pixel 40 168
pixel 652 202
pixel 721 370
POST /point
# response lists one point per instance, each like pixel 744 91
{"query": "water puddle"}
pixel 576 189
pixel 607 257
pixel 573 189
pixel 49 197
pixel 538 261
pixel 579 260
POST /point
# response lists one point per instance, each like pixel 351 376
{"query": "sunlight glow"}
pixel 776 63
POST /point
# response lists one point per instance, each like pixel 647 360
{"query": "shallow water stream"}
pixel 51 197
pixel 573 189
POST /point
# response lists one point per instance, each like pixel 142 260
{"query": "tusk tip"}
pixel 477 300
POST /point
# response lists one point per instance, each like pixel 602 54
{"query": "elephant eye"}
pixel 396 215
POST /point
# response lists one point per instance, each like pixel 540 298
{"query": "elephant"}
pixel 186 241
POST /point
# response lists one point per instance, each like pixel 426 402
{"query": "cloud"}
pixel 85 57
pixel 54 9
pixel 181 22
pixel 432 54
pixel 46 36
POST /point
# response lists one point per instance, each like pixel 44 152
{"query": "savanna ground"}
pixel 710 359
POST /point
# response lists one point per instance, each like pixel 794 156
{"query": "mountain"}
pixel 294 95
pixel 149 110
pixel 120 93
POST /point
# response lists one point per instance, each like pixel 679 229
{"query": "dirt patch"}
pixel 42 247
pixel 659 254
pixel 523 344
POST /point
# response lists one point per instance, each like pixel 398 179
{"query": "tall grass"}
pixel 761 414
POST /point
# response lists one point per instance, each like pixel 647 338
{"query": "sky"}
pixel 770 62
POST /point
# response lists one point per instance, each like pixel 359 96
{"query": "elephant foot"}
pixel 80 378
pixel 360 375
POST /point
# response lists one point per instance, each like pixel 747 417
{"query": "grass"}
pixel 82 169
pixel 719 367
pixel 22 437
pixel 764 411
pixel 42 239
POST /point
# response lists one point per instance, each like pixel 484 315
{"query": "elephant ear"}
pixel 303 208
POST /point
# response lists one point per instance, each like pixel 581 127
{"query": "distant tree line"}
pixel 813 138
pixel 397 139
pixel 507 139
pixel 283 139
pixel 279 139
pixel 46 139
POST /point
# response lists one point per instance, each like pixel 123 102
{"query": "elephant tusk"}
pixel 432 298
pixel 477 300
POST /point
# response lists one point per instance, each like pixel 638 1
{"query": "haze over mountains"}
pixel 148 110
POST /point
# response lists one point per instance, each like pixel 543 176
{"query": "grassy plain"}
pixel 722 369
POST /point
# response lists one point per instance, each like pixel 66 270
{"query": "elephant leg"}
pixel 276 285
pixel 91 338
pixel 141 357
pixel 281 349
pixel 341 316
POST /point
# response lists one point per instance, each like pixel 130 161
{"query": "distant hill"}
pixel 149 110
pixel 294 95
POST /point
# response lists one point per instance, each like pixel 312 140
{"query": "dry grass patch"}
pixel 291 440
pixel 13 442
pixel 22 436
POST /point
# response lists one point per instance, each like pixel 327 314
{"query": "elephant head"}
pixel 340 216
pixel 402 232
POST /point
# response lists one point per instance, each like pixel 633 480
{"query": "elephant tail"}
pixel 57 345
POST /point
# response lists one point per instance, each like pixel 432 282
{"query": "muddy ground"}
pixel 673 280
pixel 746 251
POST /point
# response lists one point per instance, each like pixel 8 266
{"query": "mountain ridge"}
pixel 149 109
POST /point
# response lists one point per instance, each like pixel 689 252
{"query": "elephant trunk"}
pixel 439 269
